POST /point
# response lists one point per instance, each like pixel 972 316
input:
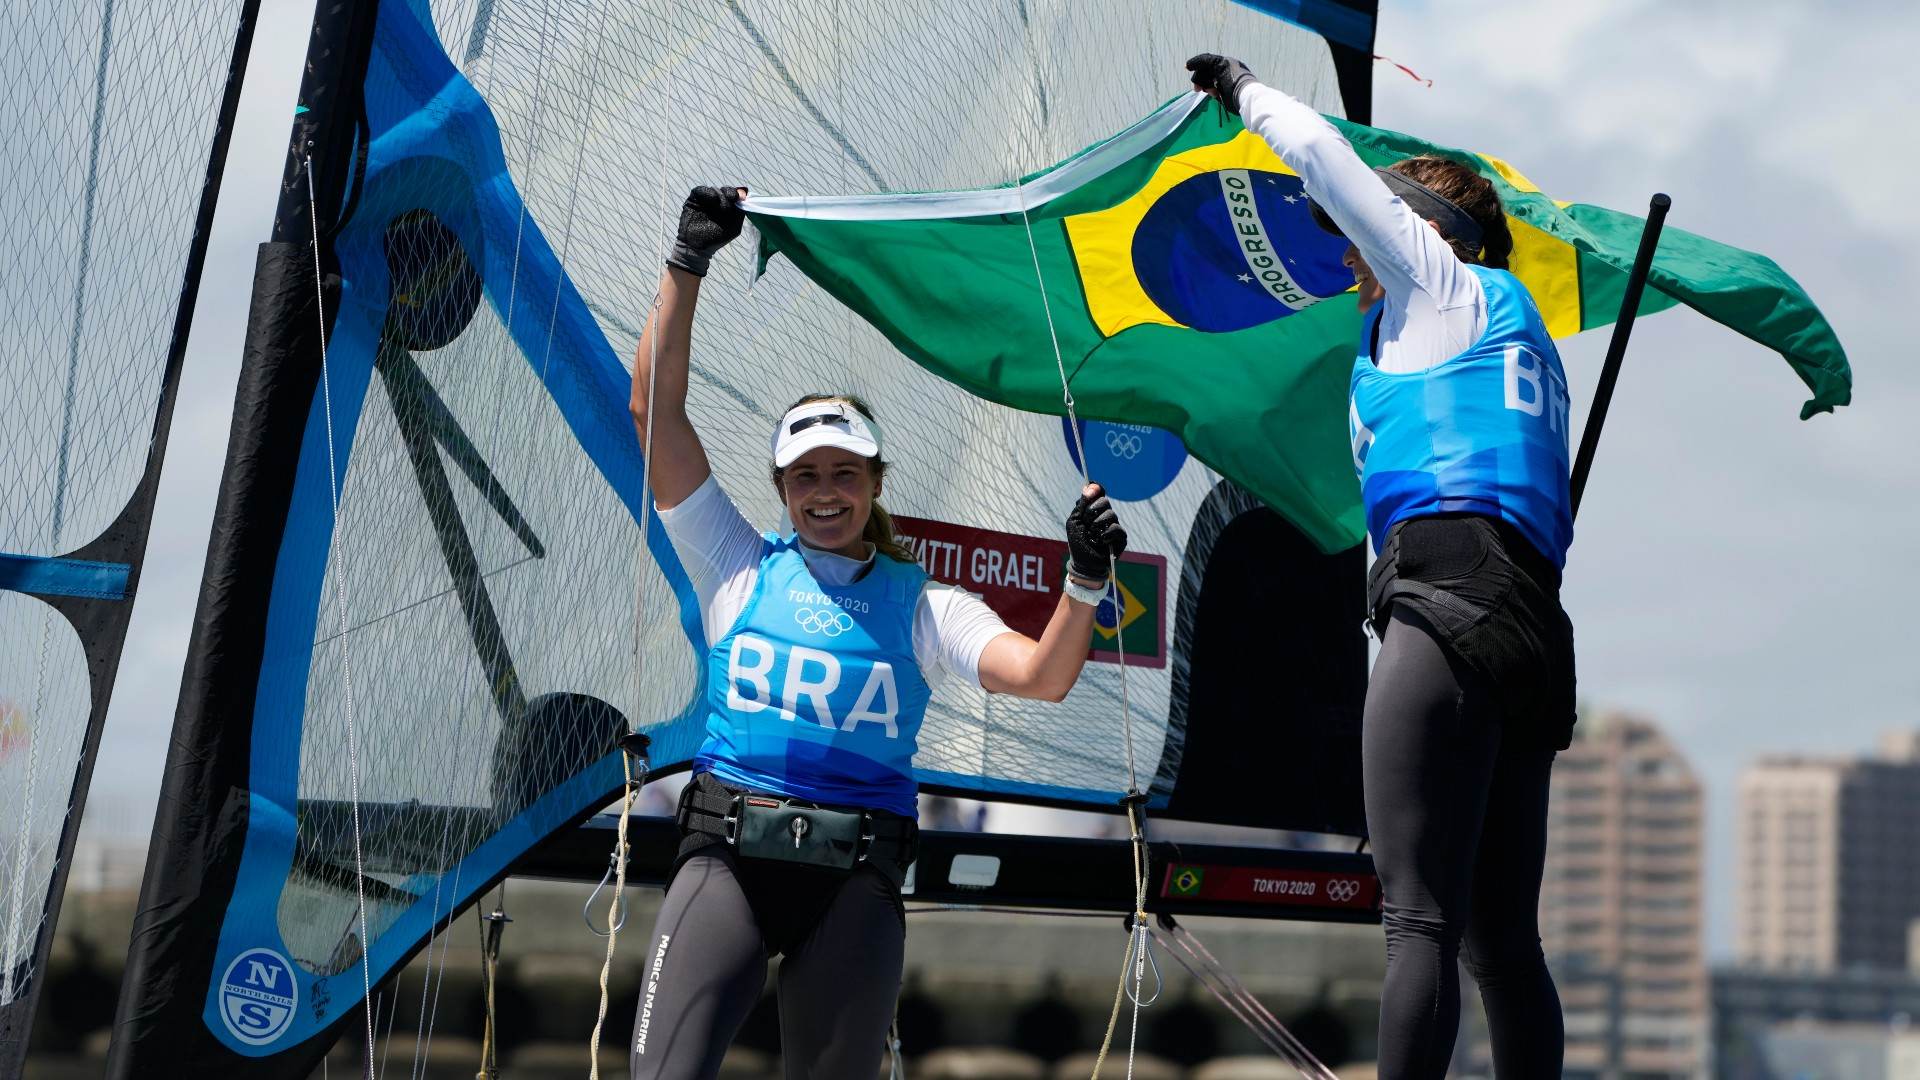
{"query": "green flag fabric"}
pixel 1175 273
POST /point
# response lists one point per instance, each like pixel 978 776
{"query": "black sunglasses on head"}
pixel 816 420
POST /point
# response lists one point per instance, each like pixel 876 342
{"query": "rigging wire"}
pixel 430 985
pixel 630 788
pixel 386 1045
pixel 422 1029
pixel 423 1039
pixel 1199 962
pixel 340 590
pixel 1240 1001
pixel 1139 941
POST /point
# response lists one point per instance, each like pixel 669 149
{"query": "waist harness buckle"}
pixel 790 830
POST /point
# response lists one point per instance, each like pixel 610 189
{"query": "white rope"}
pixel 613 908
pixel 340 600
pixel 1138 941
pixel 629 789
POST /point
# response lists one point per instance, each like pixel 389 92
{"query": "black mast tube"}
pixel 201 822
pixel 1617 348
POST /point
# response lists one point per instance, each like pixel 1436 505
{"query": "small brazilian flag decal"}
pixel 1186 880
pixel 1138 621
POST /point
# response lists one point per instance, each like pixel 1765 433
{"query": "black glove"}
pixel 1221 76
pixel 1094 536
pixel 709 218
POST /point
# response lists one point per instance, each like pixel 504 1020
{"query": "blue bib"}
pixel 1482 433
pixel 816 693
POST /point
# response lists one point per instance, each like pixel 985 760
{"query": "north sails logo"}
pixel 646 999
pixel 259 995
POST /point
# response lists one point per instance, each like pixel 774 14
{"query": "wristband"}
pixel 686 258
pixel 1084 594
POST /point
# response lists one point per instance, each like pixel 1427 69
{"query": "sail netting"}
pixel 109 113
pixel 431 608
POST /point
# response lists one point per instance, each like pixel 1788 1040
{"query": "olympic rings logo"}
pixel 1122 444
pixel 829 621
pixel 1341 890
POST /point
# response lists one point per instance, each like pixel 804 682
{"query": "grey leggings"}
pixel 707 962
pixel 1458 822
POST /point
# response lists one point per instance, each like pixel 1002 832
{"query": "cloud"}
pixel 1727 576
pixel 1811 94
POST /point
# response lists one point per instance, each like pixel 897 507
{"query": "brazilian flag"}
pixel 1178 270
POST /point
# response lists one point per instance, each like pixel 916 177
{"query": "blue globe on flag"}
pixel 1234 248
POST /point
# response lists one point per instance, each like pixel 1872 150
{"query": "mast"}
pixel 202 817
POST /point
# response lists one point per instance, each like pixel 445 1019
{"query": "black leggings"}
pixel 707 962
pixel 1458 823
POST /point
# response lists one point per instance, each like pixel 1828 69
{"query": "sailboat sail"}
pixel 431 606
pixel 105 203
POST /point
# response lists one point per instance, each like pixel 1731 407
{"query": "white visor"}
pixel 823 423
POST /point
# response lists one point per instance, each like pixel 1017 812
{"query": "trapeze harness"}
pixel 1464 472
pixel 814 705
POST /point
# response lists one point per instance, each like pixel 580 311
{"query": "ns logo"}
pixel 258 996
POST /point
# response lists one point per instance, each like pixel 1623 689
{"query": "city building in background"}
pixel 1857 1025
pixel 1829 860
pixel 1621 905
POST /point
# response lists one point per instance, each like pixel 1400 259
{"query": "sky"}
pixel 1734 573
pixel 1736 576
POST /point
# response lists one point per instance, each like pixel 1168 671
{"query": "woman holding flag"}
pixel 798 824
pixel 1458 412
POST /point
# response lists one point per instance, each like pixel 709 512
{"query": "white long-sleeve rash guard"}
pixel 1434 307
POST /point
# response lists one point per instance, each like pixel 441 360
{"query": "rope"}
pixel 896 1066
pixel 492 929
pixel 1138 940
pixel 613 906
pixel 340 592
pixel 1113 1017
pixel 630 788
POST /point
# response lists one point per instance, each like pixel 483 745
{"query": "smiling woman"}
pixel 799 824
pixel 835 486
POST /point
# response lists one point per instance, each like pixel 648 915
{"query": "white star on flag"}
pixel 1248 278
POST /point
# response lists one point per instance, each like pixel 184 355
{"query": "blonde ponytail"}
pixel 879 530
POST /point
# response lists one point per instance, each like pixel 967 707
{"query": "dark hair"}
pixel 1472 193
pixel 879 527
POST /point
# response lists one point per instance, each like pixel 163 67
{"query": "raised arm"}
pixel 708 220
pixel 1016 664
pixel 1406 254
